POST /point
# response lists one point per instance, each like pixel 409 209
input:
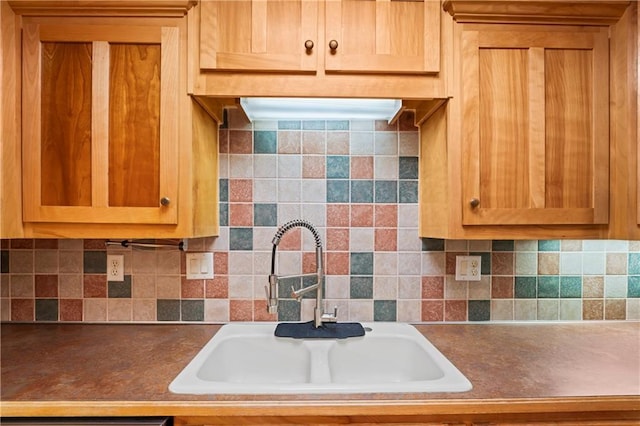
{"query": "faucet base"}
pixel 328 330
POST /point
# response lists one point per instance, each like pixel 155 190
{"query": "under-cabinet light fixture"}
pixel 320 108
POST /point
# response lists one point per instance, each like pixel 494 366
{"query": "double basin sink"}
pixel 247 358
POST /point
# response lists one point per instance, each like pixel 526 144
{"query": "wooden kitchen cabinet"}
pixel 521 150
pixel 378 36
pixel 100 141
pixel 112 146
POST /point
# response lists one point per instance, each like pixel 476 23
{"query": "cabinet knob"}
pixel 333 45
pixel 308 44
pixel 474 202
pixel 165 201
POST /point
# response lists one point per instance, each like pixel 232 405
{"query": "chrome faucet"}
pixel 319 316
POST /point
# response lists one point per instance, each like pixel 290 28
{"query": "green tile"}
pixel 479 310
pixel 46 309
pixel 408 167
pixel 384 310
pixel 502 245
pixel 570 287
pixel 337 191
pixel 548 287
pixel 408 191
pixel 224 190
pixel 240 239
pixel 265 215
pixel 289 125
pixel 338 125
pixel 288 310
pixel 337 167
pixel 314 125
pixel 633 287
pixel 633 264
pixel 386 191
pixel 362 191
pixel 168 309
pixel 525 287
pixel 361 288
pixel 265 142
pixel 224 214
pixel 549 245
pixel 432 244
pixel 192 310
pixel 361 263
pixel 119 289
pixel 95 262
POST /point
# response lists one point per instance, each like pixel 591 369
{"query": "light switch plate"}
pixel 199 266
pixel 468 268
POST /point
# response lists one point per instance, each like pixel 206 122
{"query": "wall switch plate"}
pixel 115 267
pixel 468 268
pixel 199 266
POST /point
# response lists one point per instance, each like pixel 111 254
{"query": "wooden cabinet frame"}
pixel 100 36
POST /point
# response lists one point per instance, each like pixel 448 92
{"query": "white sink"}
pixel 246 358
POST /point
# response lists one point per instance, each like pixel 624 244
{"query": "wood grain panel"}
pixel 134 125
pixel 569 121
pixel 66 124
pixel 504 128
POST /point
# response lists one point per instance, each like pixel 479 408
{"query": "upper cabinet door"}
pixel 100 134
pixel 259 35
pixel 385 36
pixel 535 125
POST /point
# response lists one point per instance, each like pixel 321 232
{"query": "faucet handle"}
pixel 331 317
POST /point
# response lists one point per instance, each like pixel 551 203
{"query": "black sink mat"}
pixel 328 330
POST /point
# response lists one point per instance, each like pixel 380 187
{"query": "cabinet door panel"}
pixel 535 127
pixel 401 36
pixel 259 35
pixel 66 124
pixel 134 125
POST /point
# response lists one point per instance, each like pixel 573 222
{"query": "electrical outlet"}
pixel 115 267
pixel 468 268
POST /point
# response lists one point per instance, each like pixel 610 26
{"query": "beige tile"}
pixel 46 261
pixel 168 262
pixel 95 310
pixel 119 309
pixel 216 310
pixel 502 310
pixel 616 263
pixel 144 310
pixel 143 286
pixel 593 309
pixel 525 309
pixel 22 286
pixel 5 309
pixel 615 309
pixel 21 262
pixel 592 287
pixel 70 261
pixel 548 309
pixel 70 286
pixel 548 263
pixel 168 286
pixel 409 311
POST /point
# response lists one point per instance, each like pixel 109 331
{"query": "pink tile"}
pixel 386 215
pixel 309 262
pixel 95 286
pixel 22 244
pixel 260 312
pixel 338 143
pixel 241 310
pixel 240 142
pixel 223 141
pixel 313 167
pixel 313 142
pixel 289 142
pixel 70 309
pixel 94 245
pixel 432 310
pixel 433 287
pixel 192 289
pixel 386 239
pixel 450 262
pixel 362 215
pixel 292 240
pixel 241 214
pixel 384 126
pixel 337 263
pixel 221 262
pixel 362 167
pixel 46 243
pixel 217 288
pixel 337 215
pixel 22 310
pixel 502 263
pixel 338 239
pixel 455 310
pixel 240 190
pixel 46 285
pixel 502 287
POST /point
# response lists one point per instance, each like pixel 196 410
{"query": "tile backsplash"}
pixel 357 182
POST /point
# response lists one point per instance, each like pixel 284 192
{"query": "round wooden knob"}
pixel 308 44
pixel 333 45
pixel 165 201
pixel 474 202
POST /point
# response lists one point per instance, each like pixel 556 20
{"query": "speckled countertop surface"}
pixel 121 368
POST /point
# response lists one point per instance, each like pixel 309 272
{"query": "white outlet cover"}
pixel 115 267
pixel 468 268
pixel 199 266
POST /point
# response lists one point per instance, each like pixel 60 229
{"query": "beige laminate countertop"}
pixel 124 369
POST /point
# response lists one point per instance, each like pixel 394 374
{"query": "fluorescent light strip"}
pixel 320 108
